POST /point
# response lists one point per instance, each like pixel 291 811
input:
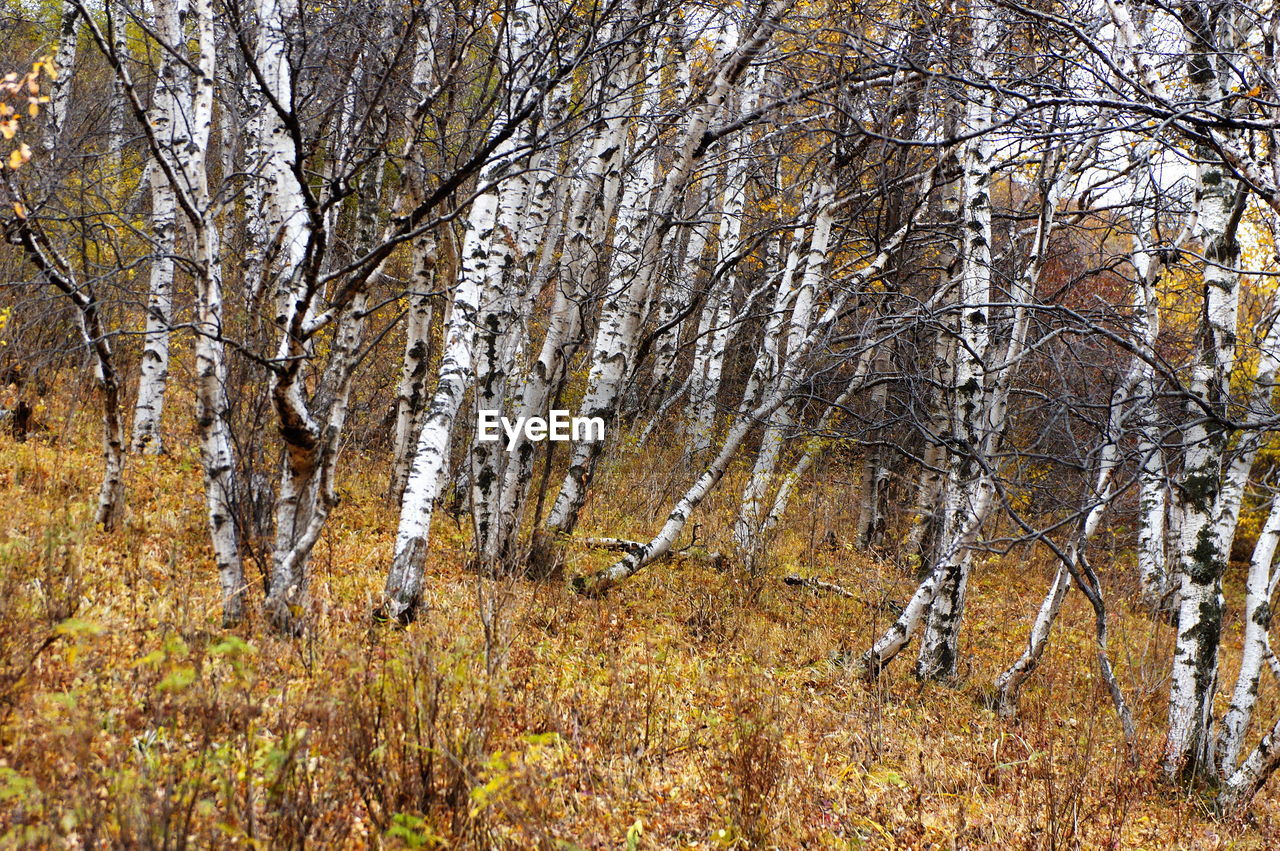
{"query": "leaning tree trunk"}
pixel 751 527
pixel 748 415
pixel 703 396
pixel 573 490
pixel 747 527
pixel 429 470
pixel 1259 591
pixel 110 504
pixel 579 277
pixel 1260 582
pixel 1243 784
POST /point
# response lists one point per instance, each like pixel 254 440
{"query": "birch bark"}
pixel 1201 560
pixel 969 487
pixel 171 117
pixel 428 472
pixel 573 491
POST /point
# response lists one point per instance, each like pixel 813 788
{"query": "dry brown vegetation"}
pixel 690 708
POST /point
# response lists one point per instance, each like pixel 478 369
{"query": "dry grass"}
pixel 688 709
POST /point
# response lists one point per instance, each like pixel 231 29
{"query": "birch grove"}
pixel 1004 276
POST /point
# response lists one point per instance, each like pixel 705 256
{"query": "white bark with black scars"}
pixel 171 109
pixel 573 490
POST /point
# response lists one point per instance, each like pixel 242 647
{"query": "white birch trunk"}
pixel 217 453
pixel 411 390
pixel 896 637
pixel 1236 477
pixel 746 418
pixel 920 515
pixel 1201 558
pixel 696 439
pixel 212 405
pixel 1152 491
pixel 746 529
pixel 1260 583
pixel 703 396
pixel 702 404
pixel 64 61
pixel 1259 588
pixel 797 295
pixel 812 450
pixel 875 471
pixel 429 470
pixel 1240 787
pixel 185 170
pixel 938 645
pixel 573 491
pixel 506 302
pixel 118 13
pixel 497 327
pixel 171 117
pixel 585 225
pixel 285 218
pixel 678 292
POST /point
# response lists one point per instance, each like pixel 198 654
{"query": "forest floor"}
pixel 689 708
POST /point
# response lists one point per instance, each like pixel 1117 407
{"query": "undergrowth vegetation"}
pixel 693 707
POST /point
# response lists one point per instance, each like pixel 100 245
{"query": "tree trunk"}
pixel 411 391
pixel 1201 557
pixel 171 117
pixel 937 658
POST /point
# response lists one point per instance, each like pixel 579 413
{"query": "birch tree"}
pixel 170 113
pixel 429 468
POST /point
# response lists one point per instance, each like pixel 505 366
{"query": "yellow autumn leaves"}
pixel 19 156
pixel 16 89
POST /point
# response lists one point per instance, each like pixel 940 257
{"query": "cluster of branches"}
pixel 1018 255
